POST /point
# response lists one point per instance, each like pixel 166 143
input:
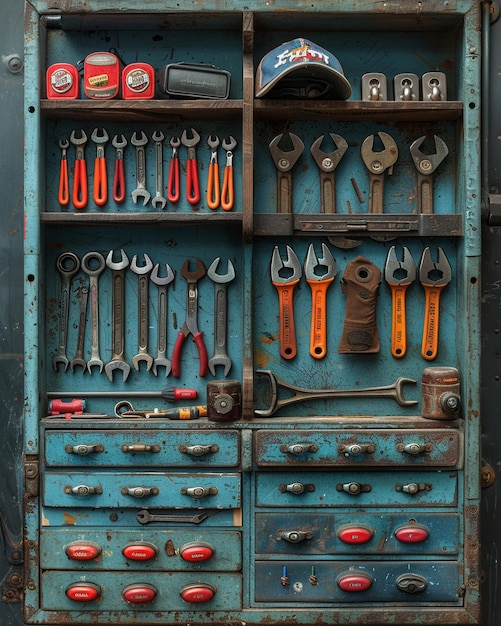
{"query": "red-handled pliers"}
pixel 80 193
pixel 190 325
pixel 192 184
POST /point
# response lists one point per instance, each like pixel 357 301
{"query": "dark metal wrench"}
pixel 67 265
pixel 159 199
pixel 284 162
pixel 79 360
pixel 220 356
pixel 145 517
pixel 143 273
pixel 93 271
pixel 161 358
pixel 118 361
pixel 140 190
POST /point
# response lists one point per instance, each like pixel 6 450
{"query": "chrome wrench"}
pixel 220 356
pixel 79 360
pixel 158 199
pixel 140 190
pixel 118 327
pixel 161 358
pixel 67 265
pixel 145 517
pixel 93 272
pixel 143 275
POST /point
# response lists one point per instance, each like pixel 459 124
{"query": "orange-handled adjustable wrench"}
pixel 100 174
pixel 434 277
pixel 399 275
pixel 285 288
pixel 228 193
pixel 319 285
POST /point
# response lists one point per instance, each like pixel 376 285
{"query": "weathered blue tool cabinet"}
pixel 356 501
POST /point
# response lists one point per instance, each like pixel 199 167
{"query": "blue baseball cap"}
pixel 301 69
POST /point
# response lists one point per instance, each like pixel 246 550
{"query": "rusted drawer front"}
pixel 361 489
pixel 378 581
pixel 111 585
pixel 169 545
pixel 124 489
pixel 383 447
pixel 183 448
pixel 414 533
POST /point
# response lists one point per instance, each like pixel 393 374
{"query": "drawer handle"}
pixel 139 492
pixel 354 489
pixel 414 448
pixel 355 449
pixel 299 448
pixel 294 536
pixel 413 488
pixel 296 488
pixel 83 449
pixel 198 450
pixel 411 583
pixel 140 447
pixel 199 492
pixel 83 490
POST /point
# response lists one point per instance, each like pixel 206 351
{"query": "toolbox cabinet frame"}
pixel 253 229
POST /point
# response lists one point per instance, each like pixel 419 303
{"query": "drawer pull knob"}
pixel 199 492
pixel 198 450
pixel 80 551
pixel 294 536
pixel 140 447
pixel 139 593
pixel 411 583
pixel 296 488
pixel 198 592
pixel 414 448
pixel 83 592
pixel 83 490
pixel 353 488
pixel 413 488
pixel 84 449
pixel 299 448
pixel 139 492
pixel 357 448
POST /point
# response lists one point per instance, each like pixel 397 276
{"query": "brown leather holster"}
pixel 360 284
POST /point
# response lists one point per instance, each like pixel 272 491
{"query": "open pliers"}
pixel 191 325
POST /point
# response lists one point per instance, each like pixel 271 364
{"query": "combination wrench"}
pixel 118 328
pixel 145 517
pixel 220 356
pixel 161 358
pixel 79 360
pixel 159 199
pixel 67 265
pixel 143 277
pixel 93 264
pixel 140 191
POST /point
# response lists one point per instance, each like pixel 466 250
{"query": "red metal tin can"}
pixel 62 82
pixel 101 76
pixel 138 82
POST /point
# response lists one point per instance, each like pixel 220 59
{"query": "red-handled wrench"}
pixel 174 182
pixel 80 193
pixel 192 184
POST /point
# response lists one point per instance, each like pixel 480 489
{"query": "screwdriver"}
pixel 171 394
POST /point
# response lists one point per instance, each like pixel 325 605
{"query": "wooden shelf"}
pixel 144 218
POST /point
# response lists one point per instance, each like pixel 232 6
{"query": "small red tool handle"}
pixel 80 191
pixel 173 187
pixel 64 190
pixel 192 184
pixel 119 181
pixel 202 353
pixel 227 195
pixel 100 182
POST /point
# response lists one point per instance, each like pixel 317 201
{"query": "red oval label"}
pixel 412 534
pixel 140 552
pixel 196 552
pixel 83 592
pixel 198 593
pixel 354 582
pixel 139 593
pixel 83 551
pixel 355 534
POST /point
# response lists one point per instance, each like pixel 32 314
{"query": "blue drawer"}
pixel 337 489
pixel 320 533
pixel 186 448
pixel 226 549
pixel 169 490
pixel 416 448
